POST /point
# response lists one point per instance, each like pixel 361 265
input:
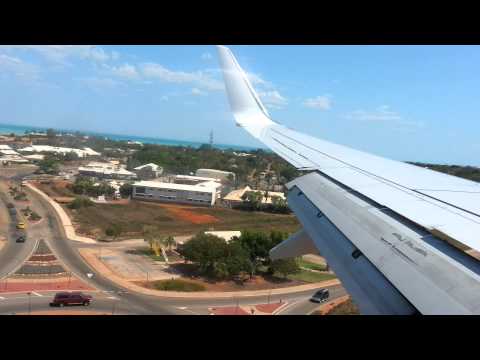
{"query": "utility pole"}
pixel 211 139
pixel 29 302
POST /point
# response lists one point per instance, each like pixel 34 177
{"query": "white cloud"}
pixel 125 71
pixel 383 114
pixel 320 102
pixel 61 53
pixel 380 114
pixel 273 99
pixel 198 92
pixel 199 78
pixel 14 66
pixel 207 56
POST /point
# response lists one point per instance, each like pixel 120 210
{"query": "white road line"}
pixel 112 298
pixel 37 294
pixel 2 298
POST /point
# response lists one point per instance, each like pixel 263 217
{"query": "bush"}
pixel 178 285
pixel 114 230
pixel 80 202
pixel 34 216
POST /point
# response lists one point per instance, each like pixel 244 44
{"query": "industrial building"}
pixel 148 171
pixel 216 174
pixel 205 193
pixel 106 171
pixel 85 152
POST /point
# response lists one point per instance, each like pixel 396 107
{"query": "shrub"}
pixel 178 285
pixel 114 230
pixel 34 216
pixel 80 202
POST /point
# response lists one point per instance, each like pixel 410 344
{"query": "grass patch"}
pixel 311 266
pixel 177 285
pixel 311 277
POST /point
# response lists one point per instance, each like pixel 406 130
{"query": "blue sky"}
pixel 416 103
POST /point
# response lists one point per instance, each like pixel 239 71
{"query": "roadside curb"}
pixel 326 308
pixel 89 255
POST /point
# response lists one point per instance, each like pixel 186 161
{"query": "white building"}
pixel 192 180
pixel 59 150
pixel 106 171
pixel 236 196
pixel 205 193
pixel 148 171
pixel 215 174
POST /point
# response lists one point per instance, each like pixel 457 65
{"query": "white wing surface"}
pixel 445 205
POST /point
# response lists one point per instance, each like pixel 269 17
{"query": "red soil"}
pixel 190 216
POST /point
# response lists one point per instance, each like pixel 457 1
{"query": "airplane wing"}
pixel 398 236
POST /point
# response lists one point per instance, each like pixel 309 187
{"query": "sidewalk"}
pixel 261 309
pixel 90 256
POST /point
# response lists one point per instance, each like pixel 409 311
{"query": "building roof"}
pixel 47 148
pixel 220 172
pixel 34 157
pixel 226 235
pixel 5 147
pixel 237 195
pixel 194 178
pixel 153 166
pixel 210 186
pixel 8 152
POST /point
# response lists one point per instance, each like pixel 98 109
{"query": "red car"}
pixel 72 298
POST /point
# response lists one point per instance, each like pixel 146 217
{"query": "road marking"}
pixel 2 298
pixel 37 294
pixel 187 310
pixel 112 298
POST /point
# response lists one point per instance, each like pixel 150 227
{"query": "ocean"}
pixel 21 129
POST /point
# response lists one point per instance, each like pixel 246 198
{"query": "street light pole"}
pixel 29 303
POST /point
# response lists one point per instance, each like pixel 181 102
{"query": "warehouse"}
pixel 205 194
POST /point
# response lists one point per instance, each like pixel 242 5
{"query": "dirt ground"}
pixel 175 220
pixel 54 189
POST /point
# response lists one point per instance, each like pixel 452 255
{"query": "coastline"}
pixel 6 129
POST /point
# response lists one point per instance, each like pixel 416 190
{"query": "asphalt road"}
pixel 110 293
pixel 13 254
pixel 40 301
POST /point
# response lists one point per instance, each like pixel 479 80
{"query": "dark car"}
pixel 73 298
pixel 320 296
pixel 21 239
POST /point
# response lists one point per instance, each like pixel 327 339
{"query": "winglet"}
pixel 246 106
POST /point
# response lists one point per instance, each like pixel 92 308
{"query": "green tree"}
pixel 126 190
pixel 208 252
pixel 114 230
pixel 149 233
pixel 285 267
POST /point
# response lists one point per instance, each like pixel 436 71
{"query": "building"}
pixel 148 171
pixel 82 153
pixel 236 196
pixel 205 194
pixel 106 171
pixel 226 235
pixel 216 174
pixel 192 180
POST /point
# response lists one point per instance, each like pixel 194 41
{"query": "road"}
pixel 39 301
pixel 52 232
pixel 13 254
